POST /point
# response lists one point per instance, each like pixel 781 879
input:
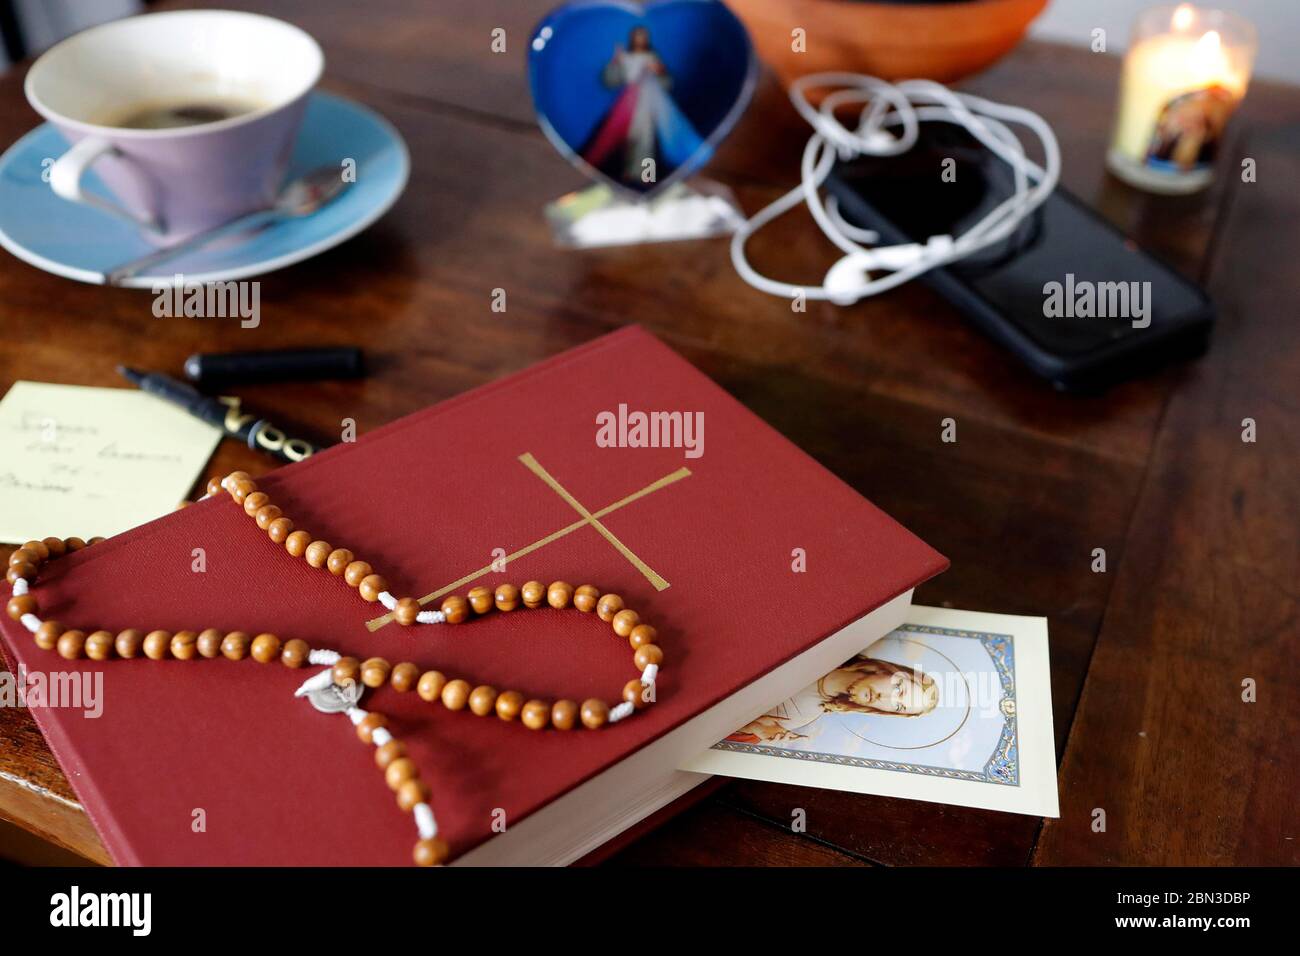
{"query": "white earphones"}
pixel 906 105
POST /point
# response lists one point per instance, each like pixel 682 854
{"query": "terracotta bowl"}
pixel 894 41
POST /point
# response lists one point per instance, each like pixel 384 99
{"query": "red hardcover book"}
pixel 216 762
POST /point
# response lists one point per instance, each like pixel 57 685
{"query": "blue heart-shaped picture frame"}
pixel 639 95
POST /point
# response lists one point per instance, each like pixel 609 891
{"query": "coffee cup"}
pixel 187 117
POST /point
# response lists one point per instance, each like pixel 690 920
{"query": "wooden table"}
pixel 1200 529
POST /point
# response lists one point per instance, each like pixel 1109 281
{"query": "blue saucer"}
pixel 82 243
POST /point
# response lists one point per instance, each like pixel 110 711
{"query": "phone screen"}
pixel 909 198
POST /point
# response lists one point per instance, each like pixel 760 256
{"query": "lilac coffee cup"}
pixel 174 182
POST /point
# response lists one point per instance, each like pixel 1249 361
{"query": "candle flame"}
pixel 1208 47
pixel 1183 16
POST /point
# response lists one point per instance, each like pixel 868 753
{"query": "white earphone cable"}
pixel 885 107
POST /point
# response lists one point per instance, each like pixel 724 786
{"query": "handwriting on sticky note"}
pixel 92 461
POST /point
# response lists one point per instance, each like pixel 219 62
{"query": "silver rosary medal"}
pixel 336 698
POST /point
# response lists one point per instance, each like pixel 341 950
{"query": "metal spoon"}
pixel 302 197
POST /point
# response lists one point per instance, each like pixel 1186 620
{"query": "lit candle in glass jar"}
pixel 1184 74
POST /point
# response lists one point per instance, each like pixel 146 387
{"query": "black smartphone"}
pixel 1070 294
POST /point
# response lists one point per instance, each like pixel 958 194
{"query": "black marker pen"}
pixel 225 413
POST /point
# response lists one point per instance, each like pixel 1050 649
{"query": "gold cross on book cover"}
pixel 586 518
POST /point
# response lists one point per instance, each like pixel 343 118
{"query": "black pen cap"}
pixel 274 365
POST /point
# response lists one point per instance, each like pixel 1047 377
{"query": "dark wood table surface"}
pixel 1199 528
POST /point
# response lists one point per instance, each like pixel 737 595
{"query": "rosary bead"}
pixel 265 515
pixel 375 671
pixel 431 852
pixel 406 611
pixel 208 643
pixel 533 594
pixel 608 606
pixel 71 644
pixel 399 771
pixel 404 677
pixel 338 561
pixel 47 635
pixel 564 713
pixel 480 599
pixel 369 724
pixel 455 609
pixel 235 476
pixel 431 685
pixel 39 548
pixel 265 648
pixel 157 644
pixel 129 643
pixel 507 597
pixel 214 486
pixel 95 540
pixel 387 753
pixel 295 652
pixel 55 546
pixel 509 703
pixel 234 646
pixel 585 598
pixel 242 488
pixel 371 586
pixel 254 501
pixel 536 714
pixel 318 553
pixel 23 604
pixel 74 543
pixel 23 556
pixel 634 693
pixel 347 670
pixel 454 694
pixel 642 634
pixel 646 655
pixel 279 530
pixel 559 594
pixel 297 543
pixel 482 699
pixel 624 621
pixel 356 572
pixel 99 646
pixel 594 713
pixel 410 793
pixel 184 645
pixel 23 569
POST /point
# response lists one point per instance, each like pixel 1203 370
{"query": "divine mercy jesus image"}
pixel 644 136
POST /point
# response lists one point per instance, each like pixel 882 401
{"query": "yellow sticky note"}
pixel 93 461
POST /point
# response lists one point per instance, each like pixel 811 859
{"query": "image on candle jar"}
pixel 1189 128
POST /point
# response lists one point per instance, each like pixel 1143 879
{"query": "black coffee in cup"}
pixel 192 112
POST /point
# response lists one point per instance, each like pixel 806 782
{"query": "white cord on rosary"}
pixel 625 709
pixel 906 105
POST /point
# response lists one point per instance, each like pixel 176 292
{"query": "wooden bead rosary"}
pixel 340 685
